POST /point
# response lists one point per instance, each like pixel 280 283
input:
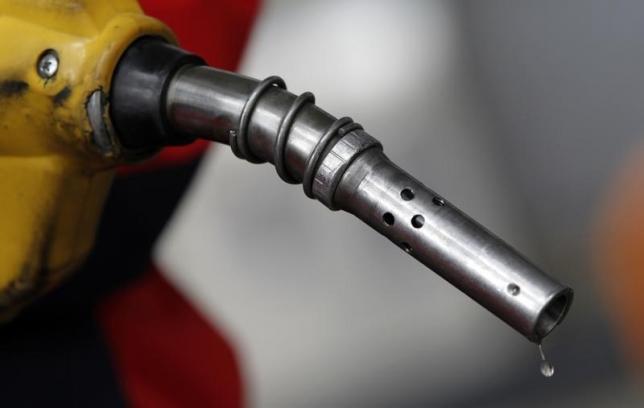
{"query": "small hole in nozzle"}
pixel 418 221
pixel 514 289
pixel 388 218
pixel 406 247
pixel 438 201
pixel 407 194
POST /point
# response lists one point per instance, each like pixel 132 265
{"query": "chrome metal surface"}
pixel 345 168
pixel 102 136
pixel 452 244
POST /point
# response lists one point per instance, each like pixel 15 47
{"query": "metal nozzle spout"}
pixel 345 168
pixel 453 245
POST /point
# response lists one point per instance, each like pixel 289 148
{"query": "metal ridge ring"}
pixel 239 142
pixel 314 158
pixel 279 147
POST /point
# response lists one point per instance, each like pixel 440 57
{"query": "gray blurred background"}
pixel 519 112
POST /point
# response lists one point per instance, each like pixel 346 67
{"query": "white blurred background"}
pixel 518 112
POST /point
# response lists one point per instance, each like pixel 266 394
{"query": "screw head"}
pixel 48 64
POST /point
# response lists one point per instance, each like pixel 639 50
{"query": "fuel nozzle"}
pixel 162 95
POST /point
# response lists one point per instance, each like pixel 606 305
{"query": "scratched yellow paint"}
pixel 53 182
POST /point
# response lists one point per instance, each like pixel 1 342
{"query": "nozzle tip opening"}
pixel 553 314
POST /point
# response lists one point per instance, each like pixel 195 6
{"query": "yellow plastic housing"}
pixel 53 180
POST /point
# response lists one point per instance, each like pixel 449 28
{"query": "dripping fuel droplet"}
pixel 547 369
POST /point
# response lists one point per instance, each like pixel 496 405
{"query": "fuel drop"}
pixel 547 369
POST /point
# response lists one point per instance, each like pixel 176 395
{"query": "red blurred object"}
pixel 619 251
pixel 166 354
